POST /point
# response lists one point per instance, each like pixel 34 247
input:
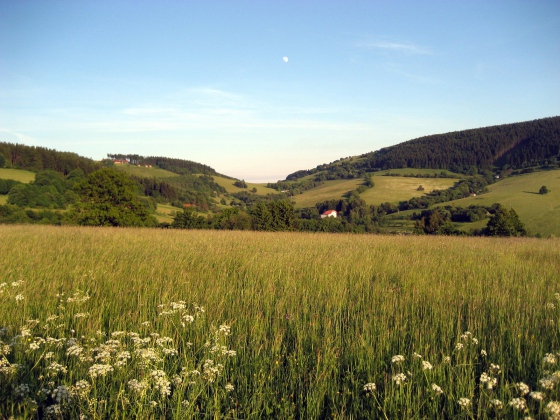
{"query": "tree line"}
pixel 178 166
pixel 32 158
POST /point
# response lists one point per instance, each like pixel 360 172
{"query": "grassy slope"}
pixel 141 171
pixel 330 190
pixel 387 189
pixel 3 199
pixel 539 213
pixel 393 189
pixel 17 175
pixel 230 188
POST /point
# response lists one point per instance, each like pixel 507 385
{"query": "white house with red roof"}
pixel 329 213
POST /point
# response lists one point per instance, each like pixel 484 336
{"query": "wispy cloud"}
pixel 405 48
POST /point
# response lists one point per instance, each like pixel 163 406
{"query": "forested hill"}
pixel 36 159
pixel 519 145
pixel 178 166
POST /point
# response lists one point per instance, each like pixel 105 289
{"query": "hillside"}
pixel 539 213
pixel 518 145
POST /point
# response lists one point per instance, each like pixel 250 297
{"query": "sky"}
pixel 260 89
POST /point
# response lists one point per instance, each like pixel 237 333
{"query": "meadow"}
pixel 387 189
pixel 137 323
pixel 539 213
pixel 17 175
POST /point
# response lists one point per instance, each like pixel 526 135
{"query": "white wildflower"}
pixel 53 411
pixel 553 409
pixel 437 389
pixel 370 387
pixel 397 359
pixel 538 396
pixel 447 359
pixel 549 359
pixel 61 394
pixel 19 297
pixel 518 404
pixel 98 370
pixel 74 350
pixel 483 353
pixel 416 355
pixel 547 383
pixel 494 369
pixel 464 402
pixel 56 368
pixel 426 365
pixel 224 329
pixel 22 390
pixel 497 404
pixel 459 346
pixel 522 388
pixel 229 387
pixel 138 387
pixel 399 378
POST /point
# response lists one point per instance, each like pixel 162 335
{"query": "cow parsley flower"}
pixel 553 409
pixel 464 402
pixel 497 404
pixel 426 365
pixel 437 389
pixel 399 378
pixel 98 370
pixel 538 396
pixel 518 404
pixel 370 387
pixel 549 359
pixel 522 388
pixel 397 359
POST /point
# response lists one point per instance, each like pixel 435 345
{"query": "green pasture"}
pixel 3 199
pixel 393 189
pixel 17 175
pixel 418 171
pixel 166 212
pixel 329 190
pixel 230 188
pixel 146 323
pixel 142 171
pixel 539 213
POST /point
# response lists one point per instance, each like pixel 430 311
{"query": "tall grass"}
pixel 312 319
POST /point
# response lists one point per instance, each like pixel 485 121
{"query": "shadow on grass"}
pixel 531 192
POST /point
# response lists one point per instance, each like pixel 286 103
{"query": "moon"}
pixel 285 59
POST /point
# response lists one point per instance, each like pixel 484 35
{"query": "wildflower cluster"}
pixel 71 375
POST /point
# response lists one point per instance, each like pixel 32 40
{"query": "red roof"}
pixel 330 212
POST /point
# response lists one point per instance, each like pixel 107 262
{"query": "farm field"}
pixel 539 213
pixel 165 212
pixel 141 323
pixel 230 188
pixel 142 171
pixel 17 175
pixel 3 199
pixel 330 190
pixel 415 171
pixel 393 189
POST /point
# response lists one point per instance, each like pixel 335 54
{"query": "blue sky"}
pixel 206 80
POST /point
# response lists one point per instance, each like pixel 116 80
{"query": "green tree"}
pixel 262 218
pixel 109 198
pixel 543 190
pixel 2 160
pixel 188 219
pixel 505 223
